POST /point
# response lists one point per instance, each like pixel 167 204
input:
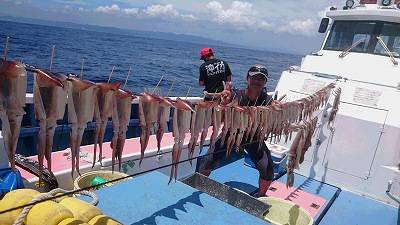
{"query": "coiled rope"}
pixel 49 195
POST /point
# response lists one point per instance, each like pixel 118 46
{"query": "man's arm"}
pixel 202 76
pixel 226 94
pixel 228 72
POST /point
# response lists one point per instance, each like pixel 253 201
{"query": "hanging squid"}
pixel 148 116
pixel 81 96
pixel 105 107
pixel 13 83
pixel 50 99
pixel 181 126
pixel 124 103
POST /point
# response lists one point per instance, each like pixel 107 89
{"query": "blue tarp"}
pixel 10 180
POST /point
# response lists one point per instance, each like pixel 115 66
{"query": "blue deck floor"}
pixel 149 199
pixel 341 207
pixel 353 209
pixel 237 175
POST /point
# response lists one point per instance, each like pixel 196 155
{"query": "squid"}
pixel 335 106
pixel 163 117
pixel 181 126
pixel 227 111
pixel 13 82
pixel 105 107
pixel 216 121
pixel 50 99
pixel 237 112
pixel 255 123
pixel 148 113
pixel 311 126
pixel 245 116
pixel 196 127
pixel 265 121
pixel 201 121
pixel 292 158
pixel 124 103
pixel 81 98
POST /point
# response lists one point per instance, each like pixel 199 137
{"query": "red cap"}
pixel 206 52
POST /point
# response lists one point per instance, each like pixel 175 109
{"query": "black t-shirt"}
pixel 212 73
pixel 263 99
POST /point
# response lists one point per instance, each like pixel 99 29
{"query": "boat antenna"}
pixel 157 85
pixel 53 49
pixel 188 93
pixel 170 88
pixel 129 73
pixel 83 63
pixel 6 48
pixel 109 76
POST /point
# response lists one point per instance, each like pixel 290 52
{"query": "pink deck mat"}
pixel 311 203
pixel 61 162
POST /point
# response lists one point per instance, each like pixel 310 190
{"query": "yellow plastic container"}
pixel 284 212
pixel 80 209
pixel 14 199
pixel 103 220
pixel 84 180
pixel 48 212
pixel 72 221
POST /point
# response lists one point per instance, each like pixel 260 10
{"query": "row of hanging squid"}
pixel 87 101
pixel 240 123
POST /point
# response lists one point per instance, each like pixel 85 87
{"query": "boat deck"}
pixel 350 208
pixel 326 203
pixel 150 200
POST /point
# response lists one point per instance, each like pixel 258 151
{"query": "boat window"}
pixel 345 33
pixel 390 34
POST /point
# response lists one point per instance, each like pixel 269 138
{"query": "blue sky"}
pixel 289 26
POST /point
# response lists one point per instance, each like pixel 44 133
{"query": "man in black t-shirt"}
pixel 253 95
pixel 212 73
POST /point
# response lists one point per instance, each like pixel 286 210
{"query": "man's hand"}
pixel 226 94
pixel 278 102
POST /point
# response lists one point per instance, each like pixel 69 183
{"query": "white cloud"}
pixel 81 9
pixel 304 27
pixel 240 14
pixel 167 12
pixel 108 9
pixel 131 11
pixel 162 11
pixel 188 17
pixel 154 11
